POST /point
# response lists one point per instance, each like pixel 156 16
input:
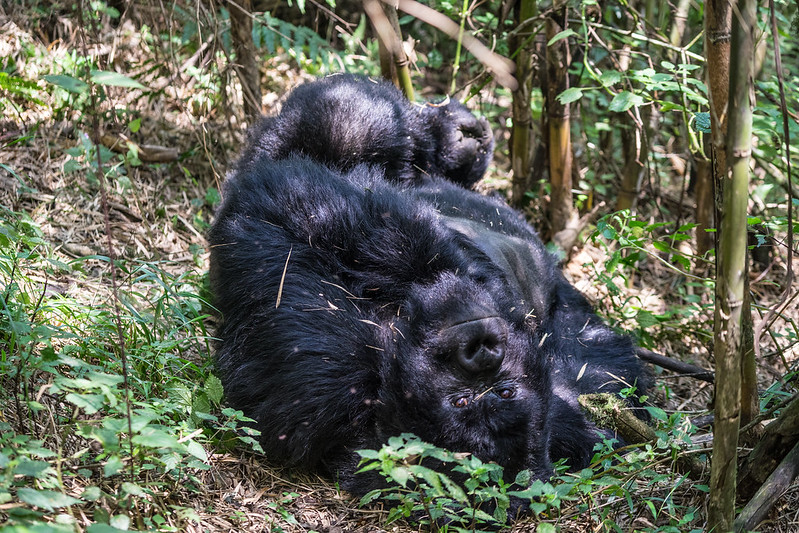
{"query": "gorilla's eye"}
pixel 461 402
pixel 507 393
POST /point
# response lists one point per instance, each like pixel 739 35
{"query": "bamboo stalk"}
pixel 561 208
pixel 522 133
pixel 731 273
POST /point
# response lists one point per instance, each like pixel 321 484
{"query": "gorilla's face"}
pixel 462 377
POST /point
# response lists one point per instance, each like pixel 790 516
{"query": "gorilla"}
pixel 365 292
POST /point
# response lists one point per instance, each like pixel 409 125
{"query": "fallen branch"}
pixel 668 363
pixel 608 410
pixel 779 438
pixel 501 67
pixel 567 237
pixel 769 492
pixel 149 153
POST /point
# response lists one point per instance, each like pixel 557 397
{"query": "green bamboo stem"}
pixel 731 272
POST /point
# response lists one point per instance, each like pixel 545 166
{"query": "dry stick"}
pixel 609 410
pixel 668 363
pixel 767 414
pixel 107 222
pixel 501 67
pixel 149 153
pixel 768 493
pixel 384 19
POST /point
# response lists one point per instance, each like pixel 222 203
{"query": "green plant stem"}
pixel 640 37
pixel 458 44
pixel 109 241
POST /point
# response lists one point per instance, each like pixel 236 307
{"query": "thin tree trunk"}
pixel 636 141
pixel 246 66
pixel 522 134
pixel 561 208
pixel 705 210
pixel 718 23
pixel 731 275
pixel 394 63
pixel 718 20
pixel 680 18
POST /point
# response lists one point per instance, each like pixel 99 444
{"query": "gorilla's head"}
pixel 461 376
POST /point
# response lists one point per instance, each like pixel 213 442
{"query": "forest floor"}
pixel 159 212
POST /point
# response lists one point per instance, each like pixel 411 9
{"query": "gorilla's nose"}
pixel 480 344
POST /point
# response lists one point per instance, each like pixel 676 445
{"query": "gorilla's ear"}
pixel 527 269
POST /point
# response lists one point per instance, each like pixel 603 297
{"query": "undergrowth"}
pixel 629 488
pixel 74 441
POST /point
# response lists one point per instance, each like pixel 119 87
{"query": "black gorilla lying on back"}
pixel 365 293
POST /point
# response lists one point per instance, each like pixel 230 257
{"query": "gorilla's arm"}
pixel 345 120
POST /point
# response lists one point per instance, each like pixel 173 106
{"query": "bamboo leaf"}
pixel 106 77
pixel 560 36
pixel 67 83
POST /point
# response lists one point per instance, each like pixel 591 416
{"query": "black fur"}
pixel 344 120
pixel 365 293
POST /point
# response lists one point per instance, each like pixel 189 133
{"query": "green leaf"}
pixel 610 78
pixel 46 499
pixel 213 385
pixel 102 528
pixel 400 474
pixel 624 101
pixel 32 468
pixel 455 490
pixel 545 527
pixel 572 94
pixel 197 450
pixel 67 83
pixel 645 319
pixel 134 125
pixel 112 466
pixel 432 477
pixel 155 438
pixel 90 403
pixel 120 521
pixel 368 454
pixel 107 77
pixel 91 493
pixel 133 489
pixel 661 246
pixel 562 35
